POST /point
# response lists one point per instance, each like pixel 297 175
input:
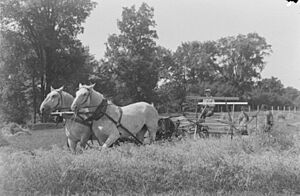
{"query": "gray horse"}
pixel 75 128
pixel 111 122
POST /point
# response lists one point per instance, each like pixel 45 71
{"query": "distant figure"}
pixel 208 107
pixel 243 120
pixel 268 119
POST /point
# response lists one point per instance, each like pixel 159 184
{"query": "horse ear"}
pixel 91 86
pixel 51 88
pixel 60 89
pixel 80 85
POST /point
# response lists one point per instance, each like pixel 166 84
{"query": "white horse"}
pixel 76 129
pixel 111 122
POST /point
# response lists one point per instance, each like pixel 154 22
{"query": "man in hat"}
pixel 208 107
pixel 268 118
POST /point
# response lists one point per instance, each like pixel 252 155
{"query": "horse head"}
pixel 86 97
pixel 53 100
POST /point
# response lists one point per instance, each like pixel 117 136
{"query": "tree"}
pixel 14 78
pixel 50 26
pixel 194 67
pixel 272 84
pixel 269 91
pixel 241 60
pixel 291 93
pixel 49 29
pixel 131 55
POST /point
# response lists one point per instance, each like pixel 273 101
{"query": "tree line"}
pixel 40 48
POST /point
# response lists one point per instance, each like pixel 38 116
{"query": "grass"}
pixel 260 164
pixel 43 139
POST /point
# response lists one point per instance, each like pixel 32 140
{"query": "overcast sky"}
pixel 202 20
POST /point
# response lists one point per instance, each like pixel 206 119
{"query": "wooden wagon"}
pixel 188 123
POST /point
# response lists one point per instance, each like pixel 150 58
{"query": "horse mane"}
pixel 67 99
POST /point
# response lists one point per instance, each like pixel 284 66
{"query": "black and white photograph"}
pixel 150 97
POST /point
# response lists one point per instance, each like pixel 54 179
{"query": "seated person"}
pixel 208 107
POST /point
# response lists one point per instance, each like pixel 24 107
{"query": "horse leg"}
pixel 112 138
pixel 141 134
pixel 152 129
pixel 72 145
pixel 84 139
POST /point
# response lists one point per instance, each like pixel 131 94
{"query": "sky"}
pixel 180 21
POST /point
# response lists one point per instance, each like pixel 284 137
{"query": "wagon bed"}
pixel 188 121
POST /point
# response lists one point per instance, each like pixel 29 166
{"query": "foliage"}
pixel 241 59
pixel 39 48
pixel 130 56
pixel 53 55
pixel 51 28
pixel 229 66
pixel 270 91
pixel 14 77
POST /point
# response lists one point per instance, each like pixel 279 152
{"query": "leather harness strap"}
pixel 101 111
pixel 121 114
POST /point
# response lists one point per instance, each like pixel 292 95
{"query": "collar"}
pixel 100 111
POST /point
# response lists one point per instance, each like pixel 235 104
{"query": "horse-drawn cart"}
pixel 189 123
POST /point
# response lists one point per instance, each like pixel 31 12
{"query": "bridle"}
pixel 88 96
pixel 59 104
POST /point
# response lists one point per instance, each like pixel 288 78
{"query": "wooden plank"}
pixel 214 124
pixel 62 113
pixel 223 103
pixel 214 132
pixel 191 97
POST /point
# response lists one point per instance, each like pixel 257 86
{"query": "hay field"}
pixel 259 164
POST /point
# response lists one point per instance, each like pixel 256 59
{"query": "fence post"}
pixel 272 109
pixel 277 108
pixel 232 112
pixel 283 108
pixel 295 110
pixel 249 108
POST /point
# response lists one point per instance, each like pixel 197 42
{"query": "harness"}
pixel 100 112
